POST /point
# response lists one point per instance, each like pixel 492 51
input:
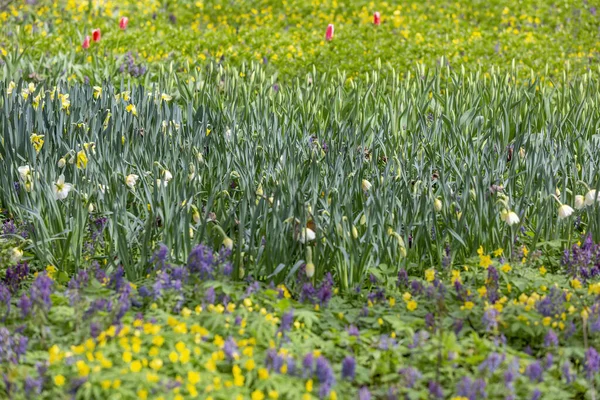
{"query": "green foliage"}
pixel 43 41
pixel 361 164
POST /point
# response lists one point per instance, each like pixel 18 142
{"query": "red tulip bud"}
pixel 96 35
pixel 329 33
pixel 377 18
pixel 86 43
pixel 123 23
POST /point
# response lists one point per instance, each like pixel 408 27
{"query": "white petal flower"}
pixel 15 255
pixel 591 197
pixel 579 202
pixel 307 235
pixel 61 189
pixel 24 172
pixel 366 185
pixel 167 176
pixel 564 211
pixel 131 180
pixel 511 218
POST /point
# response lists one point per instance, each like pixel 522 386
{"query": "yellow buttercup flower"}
pixel 430 274
pixel 411 305
pixel 59 380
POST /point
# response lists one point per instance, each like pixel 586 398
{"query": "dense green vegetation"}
pixel 214 200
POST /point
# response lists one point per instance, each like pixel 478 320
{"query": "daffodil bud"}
pixel 363 219
pixel 366 185
pixel 310 270
pixel 241 272
pixel 191 232
pixel 62 162
pixel 437 205
pixel 557 192
pixel 90 208
pixel 228 243
pixel 522 152
pixel 354 232
pixel 259 191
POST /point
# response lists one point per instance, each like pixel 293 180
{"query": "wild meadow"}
pixel 299 200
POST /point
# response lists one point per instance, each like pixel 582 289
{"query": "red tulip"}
pixel 86 43
pixel 377 18
pixel 123 23
pixel 329 33
pixel 96 35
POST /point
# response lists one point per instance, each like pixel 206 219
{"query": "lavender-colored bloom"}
pixel 308 365
pixel 534 372
pixel 5 298
pixel 490 319
pixel 325 375
pixel 160 257
pixel 24 305
pixel 430 321
pixel 364 394
pixel 548 361
pixel 411 376
pixel 348 368
pixel 537 395
pixel 511 373
pixel 95 329
pixel 457 326
pixel 274 361
pixel 40 292
pixel 419 338
pixel 201 262
pixel 567 372
pixel 592 362
pixel 325 292
pixel 471 390
pixel 435 390
pixel 353 330
pixel 307 293
pixel 492 362
pixel 552 303
pixel 286 321
pixel 76 384
pixel 117 279
pixel 230 348
pixel 15 274
pixel 551 339
pixel 402 281
pixel 209 295
pixel 416 287
pixel 33 386
pixel 385 342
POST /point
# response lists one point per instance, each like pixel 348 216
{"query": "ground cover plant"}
pixel 268 200
pixel 44 40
